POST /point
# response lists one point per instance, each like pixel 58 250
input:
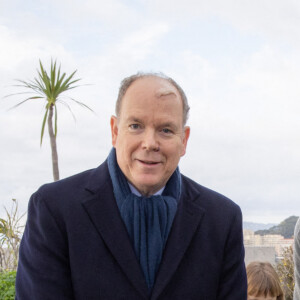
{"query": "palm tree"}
pixel 50 88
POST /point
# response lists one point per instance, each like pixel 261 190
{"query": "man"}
pixel 297 260
pixel 135 228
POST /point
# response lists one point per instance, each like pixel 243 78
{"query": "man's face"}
pixel 148 135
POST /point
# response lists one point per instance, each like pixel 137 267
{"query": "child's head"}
pixel 263 282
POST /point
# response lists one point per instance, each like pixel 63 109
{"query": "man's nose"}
pixel 150 141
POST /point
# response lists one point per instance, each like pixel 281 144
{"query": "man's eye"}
pixel 134 126
pixel 166 131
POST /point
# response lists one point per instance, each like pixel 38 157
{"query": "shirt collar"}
pixel 137 193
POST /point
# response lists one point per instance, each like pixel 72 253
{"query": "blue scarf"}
pixel 148 219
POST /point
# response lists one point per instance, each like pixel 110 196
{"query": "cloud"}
pixel 275 20
pixel 29 165
pixel 19 54
pixel 271 80
pixel 244 104
pixel 139 44
pixel 106 11
pixel 244 123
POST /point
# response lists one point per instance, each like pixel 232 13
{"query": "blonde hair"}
pixel 263 280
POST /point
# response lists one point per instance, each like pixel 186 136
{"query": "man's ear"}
pixel 186 135
pixel 114 129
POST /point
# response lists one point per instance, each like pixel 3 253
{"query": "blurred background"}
pixel 238 62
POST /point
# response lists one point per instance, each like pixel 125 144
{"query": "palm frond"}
pixel 55 120
pixel 68 107
pixel 50 87
pixel 14 94
pixel 39 86
pixel 53 74
pixel 66 85
pixel 44 79
pixel 81 104
pixel 20 103
pixel 43 124
pixel 31 85
pixel 59 83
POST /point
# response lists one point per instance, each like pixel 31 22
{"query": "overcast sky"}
pixel 238 62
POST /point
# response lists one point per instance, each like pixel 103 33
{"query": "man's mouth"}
pixel 147 162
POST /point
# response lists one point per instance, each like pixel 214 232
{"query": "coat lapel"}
pixel 186 222
pixel 104 214
pixel 102 209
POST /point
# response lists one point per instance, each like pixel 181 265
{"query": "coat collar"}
pixel 102 209
pixel 104 214
pixel 185 224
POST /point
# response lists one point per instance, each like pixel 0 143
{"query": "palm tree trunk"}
pixel 53 145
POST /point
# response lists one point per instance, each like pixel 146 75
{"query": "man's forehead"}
pixel 160 86
pixel 147 89
pixel 165 91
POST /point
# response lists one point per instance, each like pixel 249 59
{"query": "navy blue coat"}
pixel 75 246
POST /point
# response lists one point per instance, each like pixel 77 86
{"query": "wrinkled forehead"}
pixel 152 86
pixel 165 91
pixel 148 95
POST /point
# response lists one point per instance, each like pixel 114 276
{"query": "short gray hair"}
pixel 127 82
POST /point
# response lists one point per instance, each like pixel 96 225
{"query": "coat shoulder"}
pixel 207 198
pixel 91 178
pixel 72 190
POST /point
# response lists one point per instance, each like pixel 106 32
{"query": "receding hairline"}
pixel 162 92
pixel 128 81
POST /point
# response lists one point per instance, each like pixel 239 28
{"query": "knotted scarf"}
pixel 148 219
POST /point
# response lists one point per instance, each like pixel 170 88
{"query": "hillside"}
pixel 285 228
pixel 257 226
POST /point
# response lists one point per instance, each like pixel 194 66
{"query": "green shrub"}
pixel 7 285
pixel 285 271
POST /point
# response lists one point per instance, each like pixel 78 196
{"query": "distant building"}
pixel 259 247
pixel 260 253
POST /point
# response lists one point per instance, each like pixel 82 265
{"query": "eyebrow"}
pixel 166 124
pixel 169 124
pixel 133 119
